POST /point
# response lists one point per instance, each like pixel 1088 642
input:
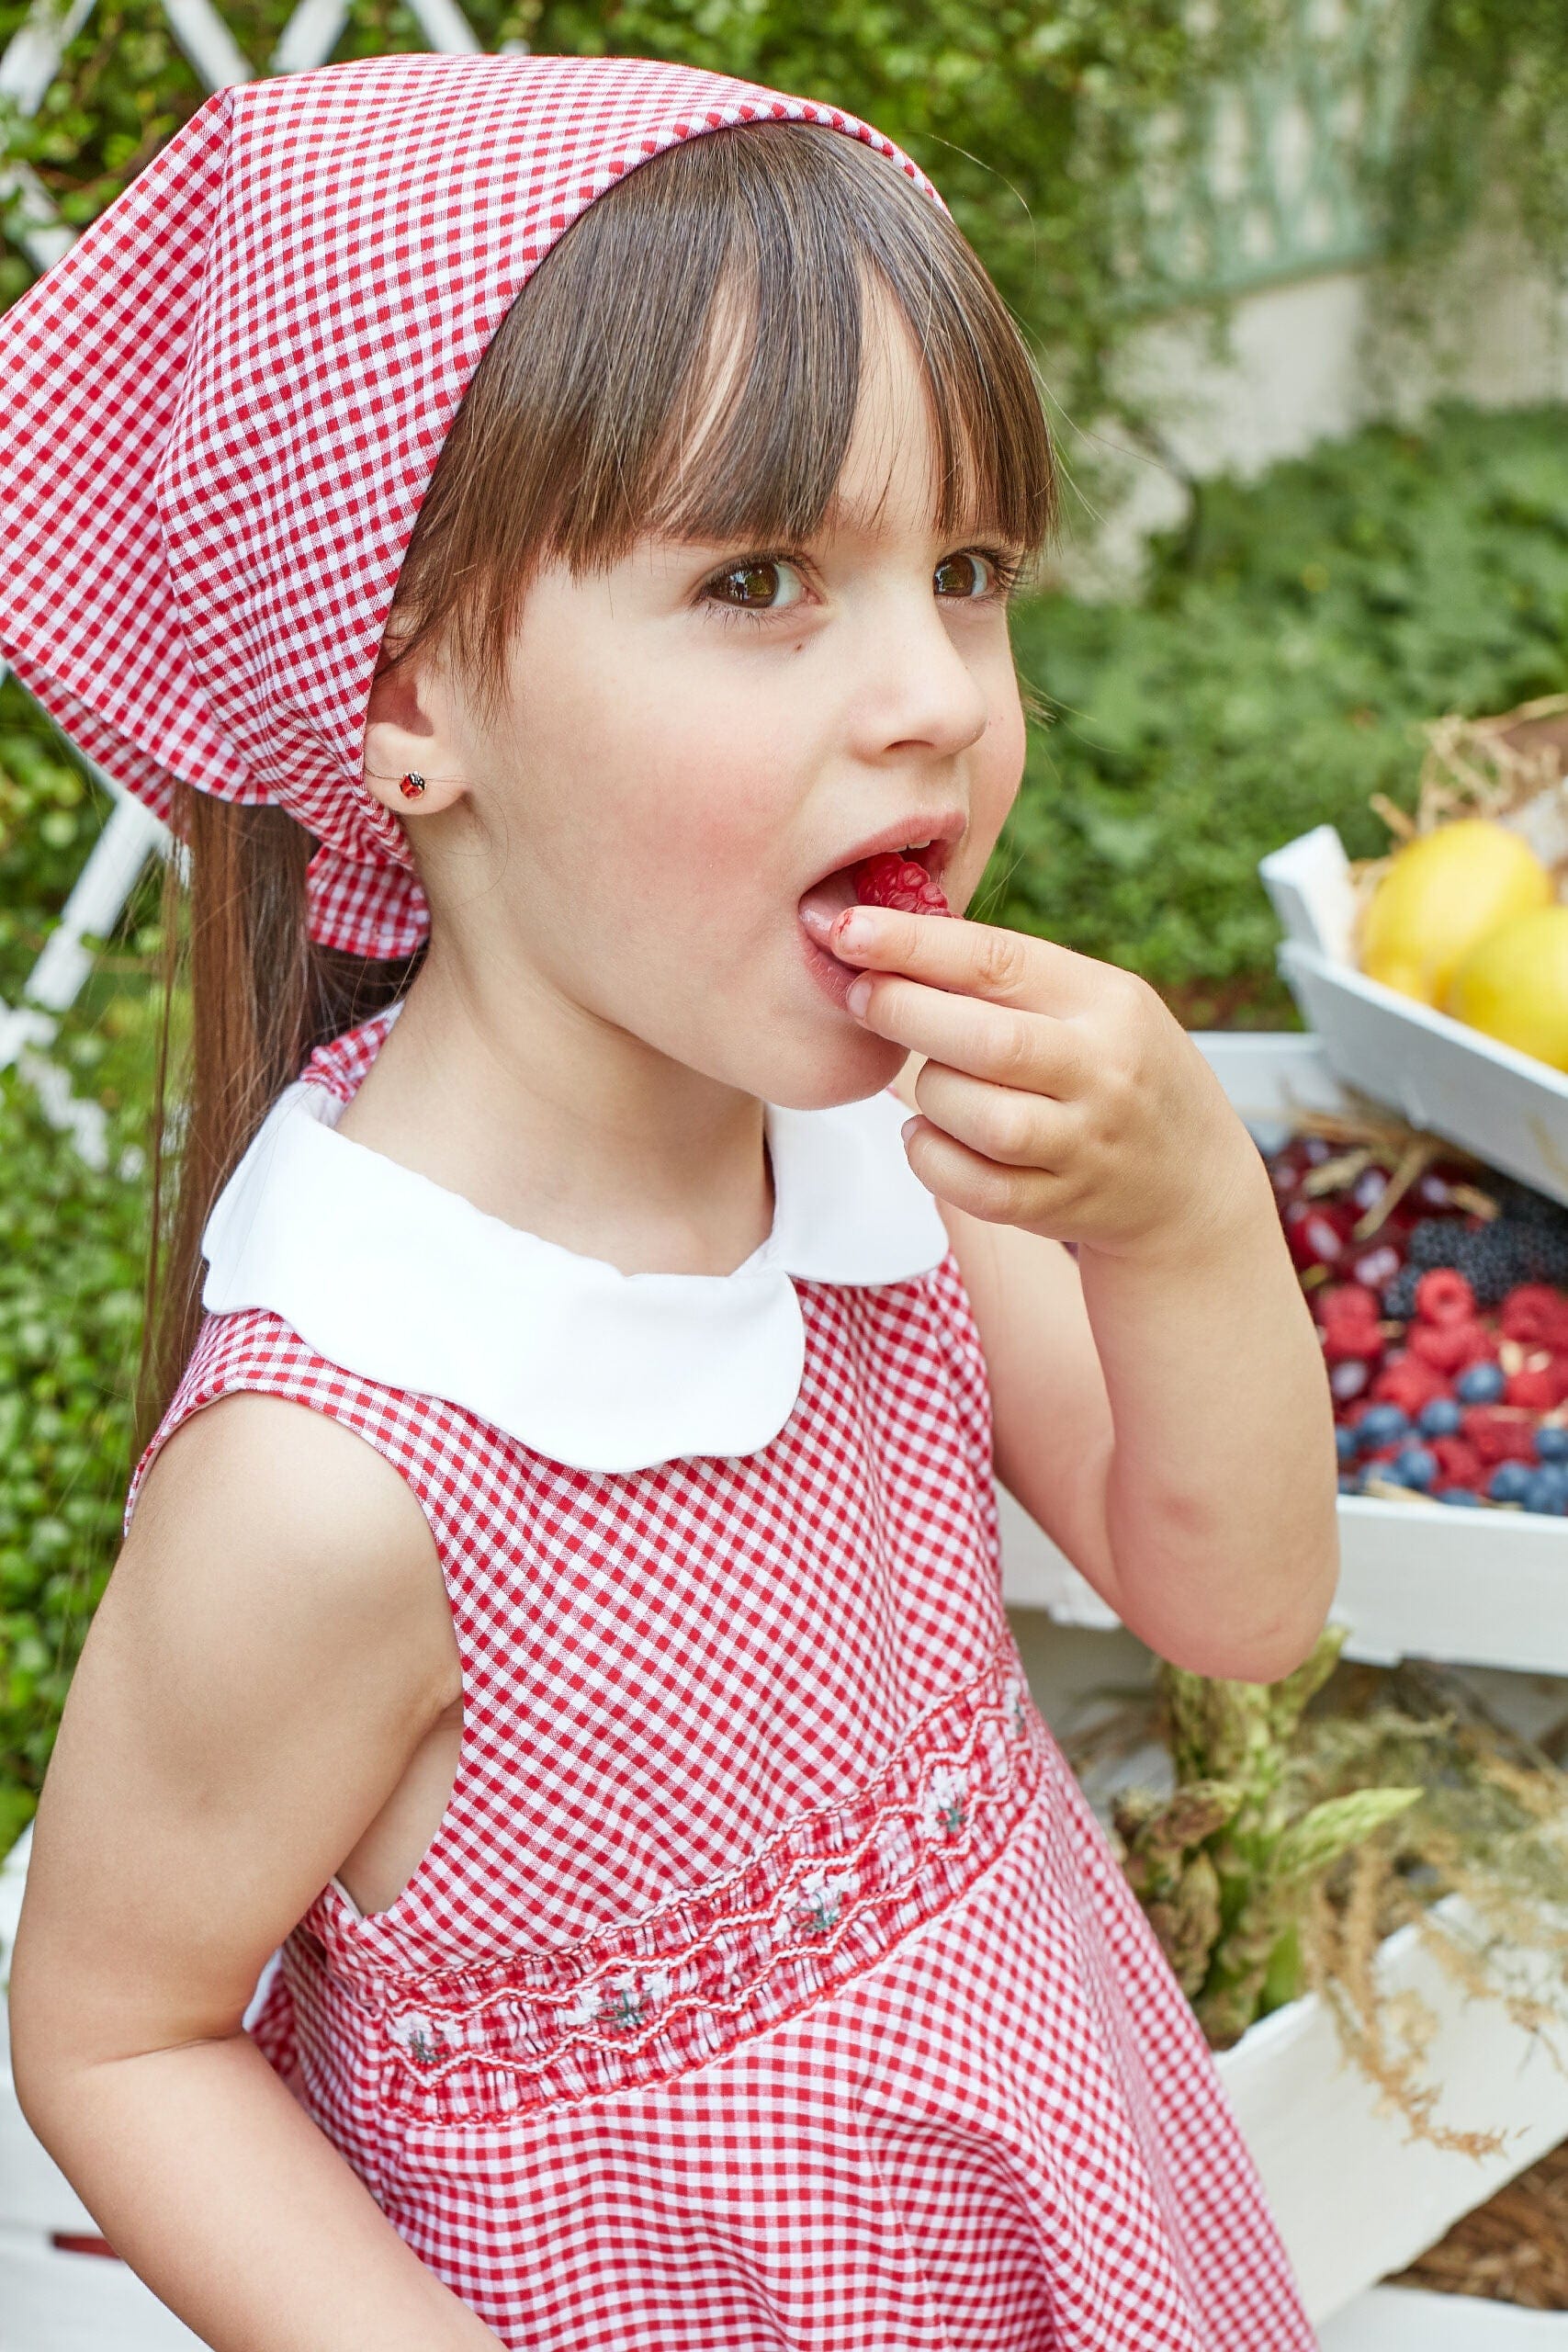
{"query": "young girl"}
pixel 559 514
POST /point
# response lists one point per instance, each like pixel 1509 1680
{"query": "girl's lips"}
pixel 828 972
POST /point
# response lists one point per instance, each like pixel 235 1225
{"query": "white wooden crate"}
pixel 1407 2319
pixel 1353 2196
pixel 1505 1106
pixel 1416 1579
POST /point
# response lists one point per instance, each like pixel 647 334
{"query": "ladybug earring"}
pixel 413 785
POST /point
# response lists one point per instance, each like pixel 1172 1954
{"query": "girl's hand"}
pixel 1059 1094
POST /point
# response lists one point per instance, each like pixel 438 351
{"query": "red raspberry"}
pixel 1448 1347
pixel 1444 1296
pixel 1352 1343
pixel 1409 1384
pixel 1348 1303
pixel 1345 1342
pixel 1536 1315
pixel 889 880
pixel 1500 1433
pixel 1548 1381
pixel 1458 1461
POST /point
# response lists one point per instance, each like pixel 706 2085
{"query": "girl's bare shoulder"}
pixel 301 1506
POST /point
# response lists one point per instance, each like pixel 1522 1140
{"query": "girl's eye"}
pixel 741 589
pixel 1003 572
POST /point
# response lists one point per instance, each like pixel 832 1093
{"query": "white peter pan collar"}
pixel 393 1276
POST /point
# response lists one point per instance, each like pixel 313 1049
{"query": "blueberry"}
pixel 1345 1444
pixel 1511 1482
pixel 1552 1442
pixel 1458 1495
pixel 1399 1296
pixel 1349 1482
pixel 1380 1425
pixel 1414 1466
pixel 1482 1384
pixel 1546 1492
pixel 1442 1417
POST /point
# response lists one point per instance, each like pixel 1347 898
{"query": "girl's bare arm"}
pixel 259 1671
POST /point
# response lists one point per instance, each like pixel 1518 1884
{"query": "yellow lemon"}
pixel 1442 894
pixel 1515 985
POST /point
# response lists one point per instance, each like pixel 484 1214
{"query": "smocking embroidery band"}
pixel 831 1895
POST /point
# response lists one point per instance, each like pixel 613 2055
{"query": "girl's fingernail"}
pixel 853 932
pixel 908 1129
pixel 858 994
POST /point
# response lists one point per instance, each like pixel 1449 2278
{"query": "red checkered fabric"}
pixel 223 406
pixel 769 1981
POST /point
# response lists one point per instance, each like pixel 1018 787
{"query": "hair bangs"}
pixel 688 361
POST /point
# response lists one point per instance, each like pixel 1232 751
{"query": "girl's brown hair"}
pixel 743 257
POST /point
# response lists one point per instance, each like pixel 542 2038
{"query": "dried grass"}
pixel 1513 2249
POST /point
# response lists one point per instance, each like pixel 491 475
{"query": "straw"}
pixel 1513 2249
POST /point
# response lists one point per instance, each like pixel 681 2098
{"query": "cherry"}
pixel 1316 1231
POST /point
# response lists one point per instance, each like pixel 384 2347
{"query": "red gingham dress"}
pixel 769 1981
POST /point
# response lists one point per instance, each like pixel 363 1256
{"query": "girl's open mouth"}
pixel 839 890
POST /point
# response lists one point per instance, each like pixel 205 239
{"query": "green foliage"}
pixel 73 1249
pixel 50 819
pixel 72 1256
pixel 1274 676
pixel 1487 109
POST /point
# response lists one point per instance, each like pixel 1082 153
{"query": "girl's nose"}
pixel 915 684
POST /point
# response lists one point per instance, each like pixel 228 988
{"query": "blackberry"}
pixel 1434 1242
pixel 1496 1257
pixel 1399 1296
pixel 1552 1256
pixel 1521 1204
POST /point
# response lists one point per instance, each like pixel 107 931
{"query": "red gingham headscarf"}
pixel 221 410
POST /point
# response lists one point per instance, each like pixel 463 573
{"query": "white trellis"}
pixel 27 66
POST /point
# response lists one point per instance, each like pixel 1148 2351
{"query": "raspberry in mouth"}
pixel 890 878
pixel 893 878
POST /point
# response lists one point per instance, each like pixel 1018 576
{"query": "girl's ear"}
pixel 403 734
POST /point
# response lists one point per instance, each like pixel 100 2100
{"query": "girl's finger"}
pixel 1032 1051
pixel 978 959
pixel 981 1187
pixel 1000 1122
